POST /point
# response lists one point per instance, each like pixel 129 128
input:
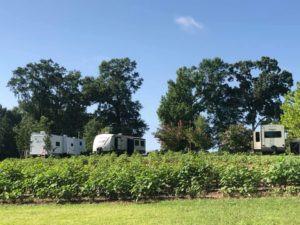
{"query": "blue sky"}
pixel 160 35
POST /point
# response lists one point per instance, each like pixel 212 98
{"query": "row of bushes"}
pixel 138 177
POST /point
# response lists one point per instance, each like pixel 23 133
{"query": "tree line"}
pixel 221 104
pixel 56 100
pixel 205 106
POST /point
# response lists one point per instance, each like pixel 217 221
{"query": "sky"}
pixel 161 36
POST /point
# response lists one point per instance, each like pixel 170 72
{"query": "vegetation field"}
pixel 170 175
pixel 262 211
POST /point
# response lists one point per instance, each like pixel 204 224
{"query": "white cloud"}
pixel 188 23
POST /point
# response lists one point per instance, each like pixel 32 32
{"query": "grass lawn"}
pixel 263 211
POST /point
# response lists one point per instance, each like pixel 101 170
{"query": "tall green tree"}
pixel 8 120
pixel 180 102
pixel 218 98
pixel 181 126
pixel 47 89
pixel 262 85
pixel 291 113
pixel 246 92
pixel 112 93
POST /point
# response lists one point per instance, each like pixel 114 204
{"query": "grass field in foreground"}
pixel 201 211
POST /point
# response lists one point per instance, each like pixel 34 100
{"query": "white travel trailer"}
pixel 118 143
pixel 60 145
pixel 270 138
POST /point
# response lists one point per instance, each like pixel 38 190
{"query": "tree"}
pixel 177 112
pixel 236 139
pixel 24 130
pixel 173 137
pixel 199 135
pixel 290 118
pixel 91 129
pixel 246 92
pixel 261 95
pixel 193 137
pixel 217 96
pixel 112 93
pixel 47 89
pixel 180 103
pixel 8 120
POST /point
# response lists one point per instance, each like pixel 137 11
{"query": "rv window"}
pixel 136 142
pixel 57 144
pixel 272 134
pixel 72 144
pixel 143 143
pixel 257 137
pixel 80 143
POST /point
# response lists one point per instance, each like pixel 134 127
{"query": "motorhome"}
pixel 60 145
pixel 119 143
pixel 270 138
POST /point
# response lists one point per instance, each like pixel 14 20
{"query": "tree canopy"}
pixel 8 120
pixel 112 93
pixel 53 98
pixel 47 89
pixel 203 103
pixel 245 92
pixel 291 113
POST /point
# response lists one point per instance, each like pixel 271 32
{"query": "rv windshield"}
pixel 273 134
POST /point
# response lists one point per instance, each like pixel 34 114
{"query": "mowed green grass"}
pixel 263 211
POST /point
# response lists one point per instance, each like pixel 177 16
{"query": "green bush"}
pixel 284 172
pixel 195 179
pixel 158 175
pixel 240 179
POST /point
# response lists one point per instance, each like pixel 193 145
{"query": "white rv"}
pixel 270 138
pixel 60 145
pixel 118 143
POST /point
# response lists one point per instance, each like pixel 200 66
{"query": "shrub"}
pixel 284 172
pixel 240 179
pixel 159 175
pixel 236 139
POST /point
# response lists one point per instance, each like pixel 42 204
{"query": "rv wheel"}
pixel 99 150
pixel 274 149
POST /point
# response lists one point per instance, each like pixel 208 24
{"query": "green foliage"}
pixel 27 126
pixel 240 179
pixel 47 89
pixel 199 135
pixel 245 92
pixel 284 172
pixel 179 103
pixel 91 129
pixel 48 145
pixel 195 179
pixel 260 96
pixel 194 136
pixel 290 118
pixel 172 137
pixel 112 91
pixel 236 139
pixel 158 175
pixel 8 120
